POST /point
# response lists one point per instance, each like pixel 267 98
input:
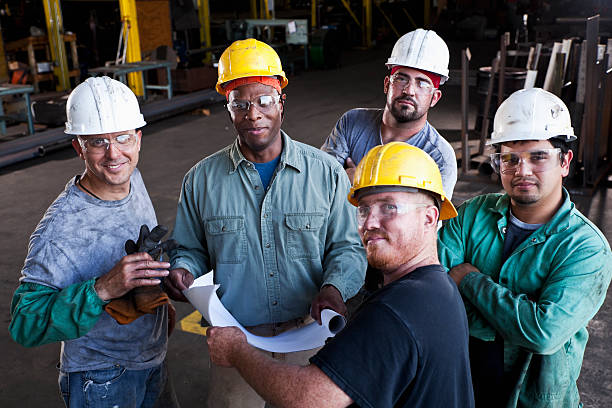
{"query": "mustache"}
pixel 406 98
pixel 532 180
pixel 374 234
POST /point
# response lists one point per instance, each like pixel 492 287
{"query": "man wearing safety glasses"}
pixel 269 215
pixel 418 66
pixel 531 268
pixel 77 264
pixel 407 345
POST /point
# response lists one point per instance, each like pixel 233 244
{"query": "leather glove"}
pixel 144 299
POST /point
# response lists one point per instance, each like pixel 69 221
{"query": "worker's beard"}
pixel 403 114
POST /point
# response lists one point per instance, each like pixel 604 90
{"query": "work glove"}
pixel 143 299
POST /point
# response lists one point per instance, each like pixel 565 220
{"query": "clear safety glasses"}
pixel 385 211
pixel 421 86
pixel 98 145
pixel 538 160
pixel 263 103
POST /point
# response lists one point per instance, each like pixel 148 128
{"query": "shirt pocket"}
pixel 303 232
pixel 226 239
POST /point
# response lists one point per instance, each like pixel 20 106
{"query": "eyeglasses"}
pixel 385 211
pixel 98 145
pixel 538 160
pixel 421 86
pixel 263 103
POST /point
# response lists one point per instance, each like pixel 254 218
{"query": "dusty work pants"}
pixel 227 389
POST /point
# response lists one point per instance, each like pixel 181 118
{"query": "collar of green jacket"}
pixel 558 223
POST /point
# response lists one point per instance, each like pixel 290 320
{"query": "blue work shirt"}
pixel 358 131
pixel 271 251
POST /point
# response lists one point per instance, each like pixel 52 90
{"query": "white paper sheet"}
pixel 203 296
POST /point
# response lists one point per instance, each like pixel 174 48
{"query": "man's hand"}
pixel 177 281
pixel 223 342
pixel 130 272
pixel 459 271
pixel 328 298
pixel 350 168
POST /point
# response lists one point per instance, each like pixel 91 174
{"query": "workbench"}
pixel 32 44
pixel 120 72
pixel 10 89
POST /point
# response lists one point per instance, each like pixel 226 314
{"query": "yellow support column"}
pixel 366 28
pixel 55 32
pixel 254 9
pixel 4 76
pixel 128 16
pixel 426 13
pixel 204 15
pixel 313 13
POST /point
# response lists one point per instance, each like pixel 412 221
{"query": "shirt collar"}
pixel 558 223
pixel 289 155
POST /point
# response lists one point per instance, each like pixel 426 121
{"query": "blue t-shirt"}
pixel 266 171
pixel 358 131
pixel 407 346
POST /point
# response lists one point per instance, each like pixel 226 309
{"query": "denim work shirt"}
pixel 358 131
pixel 271 251
pixel 539 300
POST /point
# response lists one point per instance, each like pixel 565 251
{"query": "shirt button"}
pixel 256 187
pixel 265 215
pixel 274 303
pixel 223 228
pixel 533 240
pixel 504 230
pixel 267 245
pixel 307 226
pixel 271 274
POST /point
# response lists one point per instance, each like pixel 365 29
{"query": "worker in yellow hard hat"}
pixel 269 215
pixel 407 345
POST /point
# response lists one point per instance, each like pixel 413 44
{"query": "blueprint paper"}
pixel 203 296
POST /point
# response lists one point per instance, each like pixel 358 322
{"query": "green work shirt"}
pixel 271 250
pixel 539 300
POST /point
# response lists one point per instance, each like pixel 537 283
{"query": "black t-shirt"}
pixel 407 346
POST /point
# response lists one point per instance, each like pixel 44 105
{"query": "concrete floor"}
pixel 315 100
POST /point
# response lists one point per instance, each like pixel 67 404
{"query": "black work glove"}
pixel 150 242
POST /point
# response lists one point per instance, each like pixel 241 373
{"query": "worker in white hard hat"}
pixel 269 216
pixel 532 269
pixel 407 345
pixel 418 65
pixel 77 264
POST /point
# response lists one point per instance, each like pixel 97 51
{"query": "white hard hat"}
pixel 531 114
pixel 102 105
pixel 421 49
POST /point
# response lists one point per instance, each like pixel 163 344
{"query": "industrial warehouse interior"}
pixel 334 56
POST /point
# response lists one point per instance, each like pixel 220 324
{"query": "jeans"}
pixel 114 387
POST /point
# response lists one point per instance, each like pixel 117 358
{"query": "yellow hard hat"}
pixel 398 164
pixel 249 58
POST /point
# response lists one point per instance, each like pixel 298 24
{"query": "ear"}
pixel 386 84
pixel 435 98
pixel 139 137
pixel 566 163
pixel 432 214
pixel 77 147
